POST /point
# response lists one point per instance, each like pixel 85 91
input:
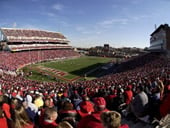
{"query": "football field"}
pixel 68 69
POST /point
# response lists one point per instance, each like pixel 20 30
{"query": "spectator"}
pixel 161 87
pixel 154 103
pixel 5 110
pixel 165 104
pixel 93 120
pixel 128 94
pixel 68 113
pixel 111 99
pixel 47 104
pixel 5 106
pixel 38 101
pixel 86 108
pixel 50 117
pixel 31 114
pixel 112 119
pixel 139 106
pixel 76 99
pixel 3 119
pixel 20 118
pixel 32 106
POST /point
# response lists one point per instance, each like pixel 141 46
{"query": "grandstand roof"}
pixel 29 35
pixel 163 26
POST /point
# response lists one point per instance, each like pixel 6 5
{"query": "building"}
pixel 160 39
pixel 12 39
pixel 105 51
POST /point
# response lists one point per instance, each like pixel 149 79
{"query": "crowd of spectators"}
pixel 140 89
pixel 13 61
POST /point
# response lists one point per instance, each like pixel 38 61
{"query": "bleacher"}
pixel 27 39
pixel 13 61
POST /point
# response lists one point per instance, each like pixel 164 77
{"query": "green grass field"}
pixel 73 69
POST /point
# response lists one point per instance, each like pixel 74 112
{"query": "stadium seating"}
pixel 12 61
pixel 25 39
pixel 143 71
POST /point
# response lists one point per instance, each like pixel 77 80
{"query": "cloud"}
pixel 50 14
pixel 140 17
pixel 65 24
pixel 108 23
pixel 122 21
pixel 34 0
pixel 135 2
pixel 84 30
pixel 166 0
pixel 30 26
pixel 80 28
pixel 89 30
pixel 98 32
pixel 58 7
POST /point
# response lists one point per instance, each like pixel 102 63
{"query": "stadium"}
pixel 42 65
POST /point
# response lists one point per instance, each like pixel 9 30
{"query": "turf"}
pixel 74 67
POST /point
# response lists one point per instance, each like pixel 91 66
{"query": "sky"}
pixel 89 23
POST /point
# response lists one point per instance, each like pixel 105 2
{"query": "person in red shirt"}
pixel 86 108
pixel 50 116
pixel 3 120
pixel 93 120
pixel 4 112
pixel 165 104
pixel 128 94
pixel 47 104
pixel 5 106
